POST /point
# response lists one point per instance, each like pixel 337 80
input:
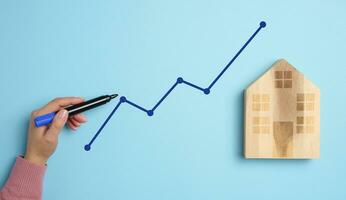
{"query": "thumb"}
pixel 57 124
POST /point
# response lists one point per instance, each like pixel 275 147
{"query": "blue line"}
pixel 165 96
pixel 137 106
pixel 193 85
pixel 87 147
pixel 179 81
pixel 235 57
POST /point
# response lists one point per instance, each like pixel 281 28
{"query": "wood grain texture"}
pixel 282 115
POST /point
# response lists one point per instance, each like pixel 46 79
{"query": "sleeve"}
pixel 24 182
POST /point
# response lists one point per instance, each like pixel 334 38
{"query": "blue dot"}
pixel 263 24
pixel 122 99
pixel 206 91
pixel 180 80
pixel 87 147
pixel 150 112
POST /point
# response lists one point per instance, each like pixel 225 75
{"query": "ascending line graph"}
pixel 179 81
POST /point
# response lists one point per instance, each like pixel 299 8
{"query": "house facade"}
pixel 282 115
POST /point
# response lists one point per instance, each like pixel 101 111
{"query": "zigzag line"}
pixel 179 81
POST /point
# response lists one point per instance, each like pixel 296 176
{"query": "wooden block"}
pixel 282 115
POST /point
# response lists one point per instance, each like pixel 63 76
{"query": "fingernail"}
pixel 62 114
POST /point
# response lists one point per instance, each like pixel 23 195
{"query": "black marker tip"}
pixel 113 96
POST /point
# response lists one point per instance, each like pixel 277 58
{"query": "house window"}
pixel 283 79
pixel 305 102
pixel 260 125
pixel 305 124
pixel 260 102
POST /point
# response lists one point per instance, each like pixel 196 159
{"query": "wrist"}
pixel 35 159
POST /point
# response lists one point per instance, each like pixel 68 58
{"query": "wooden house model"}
pixel 282 115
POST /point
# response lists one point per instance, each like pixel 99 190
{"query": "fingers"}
pixel 76 121
pixel 59 103
pixel 57 124
pixel 80 118
pixel 71 126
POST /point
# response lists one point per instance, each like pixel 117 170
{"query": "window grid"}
pixel 260 102
pixel 261 125
pixel 305 102
pixel 305 125
pixel 283 79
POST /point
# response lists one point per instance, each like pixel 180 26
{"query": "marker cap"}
pixel 44 120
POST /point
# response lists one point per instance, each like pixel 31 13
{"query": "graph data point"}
pixel 180 80
pixel 87 147
pixel 206 91
pixel 150 113
pixel 263 24
pixel 122 99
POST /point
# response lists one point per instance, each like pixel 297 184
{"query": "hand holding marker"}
pixel 46 119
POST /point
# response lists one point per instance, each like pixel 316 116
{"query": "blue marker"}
pixel 46 119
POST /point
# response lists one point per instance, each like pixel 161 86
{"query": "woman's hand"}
pixel 42 141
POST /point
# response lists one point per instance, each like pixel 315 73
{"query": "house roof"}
pixel 282 65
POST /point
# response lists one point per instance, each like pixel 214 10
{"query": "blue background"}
pixel 192 147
